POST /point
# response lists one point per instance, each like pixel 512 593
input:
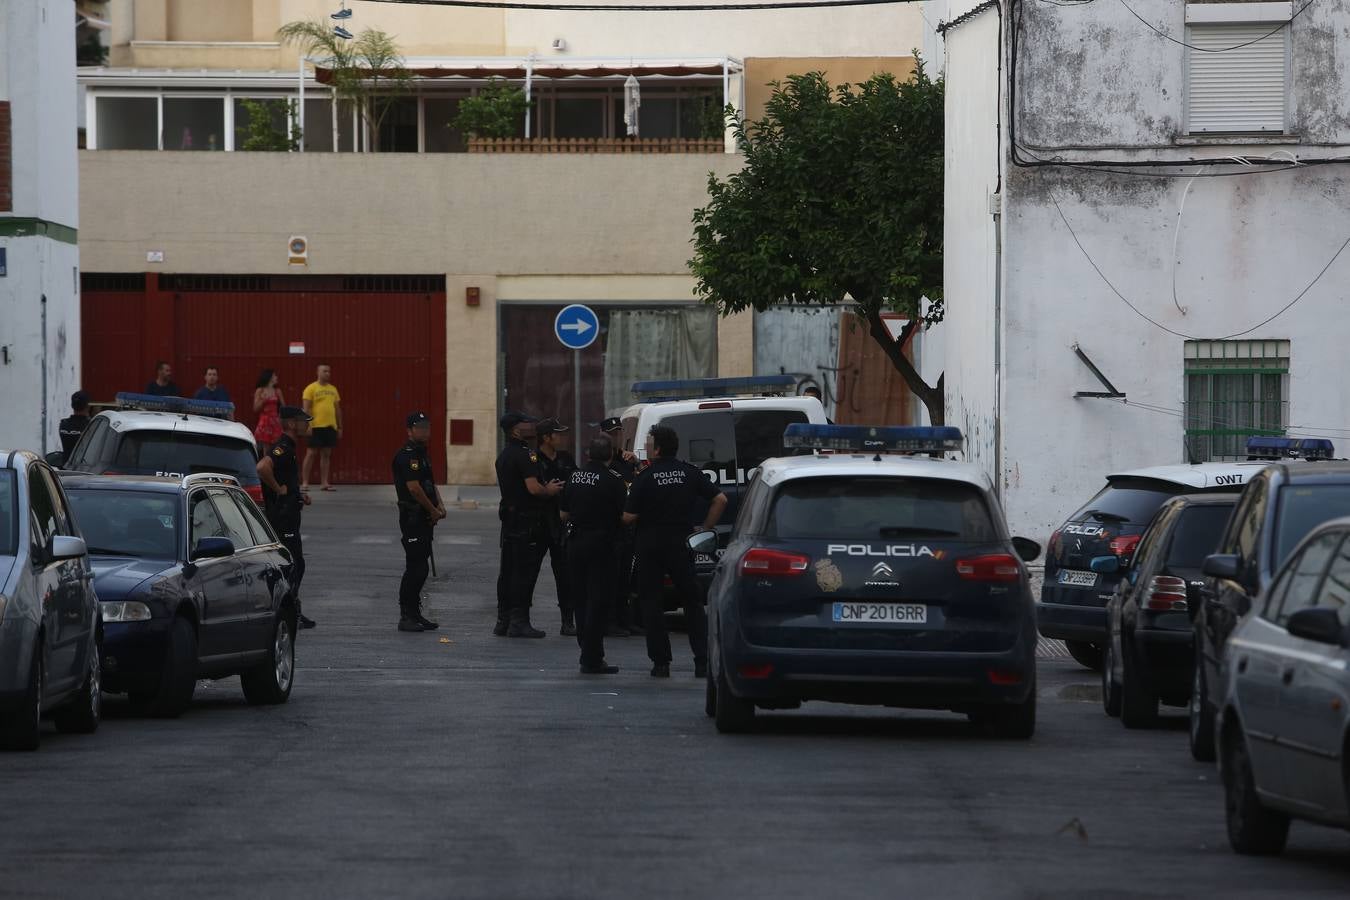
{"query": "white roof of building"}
pixel 1200 475
pixel 826 465
pixel 145 420
pixel 675 407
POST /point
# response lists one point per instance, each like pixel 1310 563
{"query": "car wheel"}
pixel 1253 829
pixel 732 714
pixel 82 714
pixel 1015 721
pixel 1110 688
pixel 178 679
pixel 1089 656
pixel 1201 731
pixel 710 695
pixel 269 683
pixel 21 728
pixel 1138 704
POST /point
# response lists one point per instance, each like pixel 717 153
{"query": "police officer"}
pixel 556 464
pixel 624 614
pixel 660 504
pixel 419 509
pixel 524 537
pixel 592 503
pixel 73 425
pixel 282 498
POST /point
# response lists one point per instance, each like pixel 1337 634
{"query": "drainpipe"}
pixel 726 93
pixel 44 375
pixel 529 83
pixel 300 113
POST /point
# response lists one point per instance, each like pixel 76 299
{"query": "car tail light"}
pixel 755 671
pixel 1052 545
pixel 1124 545
pixel 667 582
pixel 719 404
pixel 1167 593
pixel 1004 677
pixel 761 562
pixel 992 567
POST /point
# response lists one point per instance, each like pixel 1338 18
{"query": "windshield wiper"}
pixel 1104 515
pixel 901 530
pixel 105 551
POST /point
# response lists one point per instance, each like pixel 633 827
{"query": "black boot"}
pixel 569 624
pixel 427 624
pixel 520 626
pixel 407 619
pixel 301 620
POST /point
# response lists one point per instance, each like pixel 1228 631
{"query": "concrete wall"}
pixel 37 56
pixel 760 72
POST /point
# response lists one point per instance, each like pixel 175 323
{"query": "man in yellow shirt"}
pixel 324 404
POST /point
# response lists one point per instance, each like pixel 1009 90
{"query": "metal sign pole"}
pixel 576 404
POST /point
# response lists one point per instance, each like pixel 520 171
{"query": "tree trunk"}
pixel 933 397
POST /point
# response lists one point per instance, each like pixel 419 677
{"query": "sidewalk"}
pixel 460 496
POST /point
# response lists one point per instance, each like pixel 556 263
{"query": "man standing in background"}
pixel 163 385
pixel 211 388
pixel 557 465
pixel 73 425
pixel 324 404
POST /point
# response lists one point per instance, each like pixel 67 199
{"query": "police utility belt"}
pixel 410 512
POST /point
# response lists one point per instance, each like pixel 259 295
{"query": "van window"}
pixel 759 434
pixel 707 440
pixel 86 451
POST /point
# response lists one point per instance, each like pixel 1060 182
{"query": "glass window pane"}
pixel 236 526
pixel 127 123
pixel 866 509
pixel 657 117
pixel 1307 575
pixel 127 523
pixel 579 117
pixel 441 137
pixel 346 128
pixel 203 522
pixel 398 127
pixel 1336 589
pixel 194 123
pixel 318 130
pixel 276 136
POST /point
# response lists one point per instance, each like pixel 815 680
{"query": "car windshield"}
pixel 1197 535
pixel 178 453
pixel 869 508
pixel 9 514
pixel 127 523
pixel 1303 508
pixel 1128 500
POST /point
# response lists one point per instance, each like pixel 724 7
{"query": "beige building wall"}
pixel 517 227
pixel 761 72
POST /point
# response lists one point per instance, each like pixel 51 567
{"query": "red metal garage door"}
pixel 384 337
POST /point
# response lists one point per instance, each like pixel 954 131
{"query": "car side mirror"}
pixel 56 459
pixel 1105 565
pixel 1026 548
pixel 213 548
pixel 1317 623
pixel 66 547
pixel 1222 565
pixel 703 542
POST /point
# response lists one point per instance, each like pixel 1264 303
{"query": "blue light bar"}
pixel 870 438
pixel 702 388
pixel 183 405
pixel 1289 448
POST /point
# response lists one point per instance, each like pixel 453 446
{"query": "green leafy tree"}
pixel 839 203
pixel 496 111
pixel 368 70
pixel 261 132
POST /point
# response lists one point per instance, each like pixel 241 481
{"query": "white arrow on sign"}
pixel 579 327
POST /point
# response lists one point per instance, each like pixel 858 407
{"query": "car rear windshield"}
pixel 9 514
pixel 127 523
pixel 871 508
pixel 178 453
pixel 1128 500
pixel 1197 534
pixel 1303 508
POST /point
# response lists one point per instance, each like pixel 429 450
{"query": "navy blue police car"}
pixel 858 574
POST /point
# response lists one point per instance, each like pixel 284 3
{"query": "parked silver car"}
pixel 50 626
pixel 1284 727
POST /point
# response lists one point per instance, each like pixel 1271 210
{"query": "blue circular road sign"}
pixel 577 326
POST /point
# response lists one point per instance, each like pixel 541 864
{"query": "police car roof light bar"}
pixel 1289 448
pixel 874 439
pixel 216 409
pixel 703 388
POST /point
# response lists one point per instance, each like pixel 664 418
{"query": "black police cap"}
pixel 613 423
pixel 550 426
pixel 418 418
pixel 512 419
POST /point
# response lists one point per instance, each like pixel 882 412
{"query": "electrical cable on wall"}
pixel 674 7
pixel 1182 43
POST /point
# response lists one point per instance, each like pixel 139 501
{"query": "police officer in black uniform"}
pixel 419 509
pixel 283 500
pixel 660 505
pixel 73 425
pixel 593 503
pixel 557 464
pixel 524 537
pixel 624 614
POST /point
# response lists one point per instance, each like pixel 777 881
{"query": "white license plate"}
pixel 892 613
pixel 1077 578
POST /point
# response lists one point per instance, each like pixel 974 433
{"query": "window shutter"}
pixel 1241 89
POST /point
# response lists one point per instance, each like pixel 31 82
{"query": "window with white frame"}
pixel 1237 67
pixel 1234 390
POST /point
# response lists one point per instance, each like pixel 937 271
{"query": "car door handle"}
pixel 1242 665
pixel 1288 676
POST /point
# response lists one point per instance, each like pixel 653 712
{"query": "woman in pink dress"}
pixel 267 403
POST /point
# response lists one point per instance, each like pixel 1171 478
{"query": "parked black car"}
pixel 1277 510
pixel 1149 647
pixel 193 584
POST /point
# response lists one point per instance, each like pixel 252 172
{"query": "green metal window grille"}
pixel 1234 390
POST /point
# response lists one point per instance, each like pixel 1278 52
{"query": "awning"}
pixel 518 67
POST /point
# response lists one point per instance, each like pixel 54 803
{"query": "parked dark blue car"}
pixel 192 583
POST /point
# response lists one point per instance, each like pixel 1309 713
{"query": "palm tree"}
pixel 368 70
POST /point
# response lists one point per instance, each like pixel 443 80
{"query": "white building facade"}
pixel 1165 202
pixel 39 278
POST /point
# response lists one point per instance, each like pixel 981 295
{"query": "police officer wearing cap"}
pixel 592 503
pixel 283 500
pixel 419 509
pixel 524 536
pixel 557 464
pixel 660 504
pixel 73 425
pixel 624 614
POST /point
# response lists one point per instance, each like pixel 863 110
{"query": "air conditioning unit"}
pixel 559 44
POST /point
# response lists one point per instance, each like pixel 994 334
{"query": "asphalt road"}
pixel 456 764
